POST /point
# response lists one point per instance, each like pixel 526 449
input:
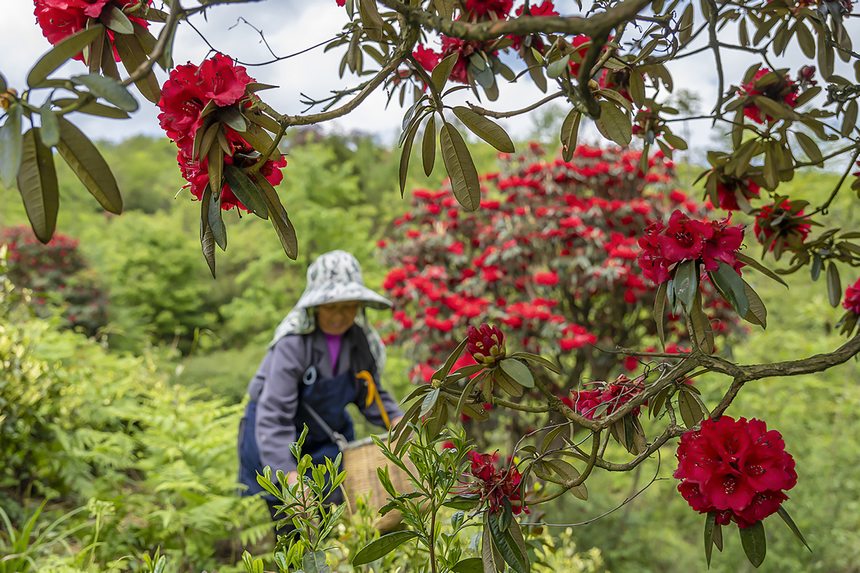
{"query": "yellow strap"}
pixel 373 396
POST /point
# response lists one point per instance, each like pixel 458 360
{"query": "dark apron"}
pixel 328 398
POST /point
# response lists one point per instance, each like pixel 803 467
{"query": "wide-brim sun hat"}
pixel 336 277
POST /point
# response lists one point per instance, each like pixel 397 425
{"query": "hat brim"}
pixel 332 292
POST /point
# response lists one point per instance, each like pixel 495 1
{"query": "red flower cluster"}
pixel 494 484
pixel 686 239
pixel 60 19
pixel 851 302
pixel 545 8
pixel 782 90
pixel 486 9
pixel 781 222
pixel 184 96
pixel 486 343
pixel 730 189
pixel 736 468
pixel 613 395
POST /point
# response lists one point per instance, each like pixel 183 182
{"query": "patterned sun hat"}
pixel 336 277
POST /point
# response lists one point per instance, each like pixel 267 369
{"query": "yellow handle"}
pixel 373 396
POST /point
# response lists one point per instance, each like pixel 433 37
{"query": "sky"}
pixel 291 26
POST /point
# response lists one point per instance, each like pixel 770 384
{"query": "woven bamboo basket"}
pixel 361 458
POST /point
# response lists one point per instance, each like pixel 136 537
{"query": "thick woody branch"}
pixel 598 24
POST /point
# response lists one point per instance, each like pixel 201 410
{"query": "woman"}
pixel 324 355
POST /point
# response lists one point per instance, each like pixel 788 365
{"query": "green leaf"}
pixel 691 413
pixel 93 108
pixel 702 333
pixel 614 124
pixel 710 522
pixel 133 56
pixel 834 285
pixel 461 169
pixel 314 562
pixel 11 146
pixel 490 557
pixel 793 526
pixel 488 130
pixel 469 565
pixel 557 68
pixel 660 311
pixel 518 372
pixel 245 190
pixel 428 146
pixel 50 132
pixel 443 70
pixel 570 133
pixel 207 240
pixel 507 547
pixel 406 154
pixel 37 182
pixel 108 89
pixel 757 313
pixel 89 166
pixel 216 222
pixel 749 261
pixel 59 54
pixel 279 218
pixel 810 148
pixel 429 402
pixel 116 20
pixel 3 85
pixel 232 117
pixel 754 542
pixel 731 286
pixel 686 283
pixel 382 546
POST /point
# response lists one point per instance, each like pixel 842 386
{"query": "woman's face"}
pixel 337 317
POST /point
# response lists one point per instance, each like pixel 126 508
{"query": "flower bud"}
pixel 486 344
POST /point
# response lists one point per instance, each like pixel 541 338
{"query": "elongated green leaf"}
pixel 406 154
pixel 757 313
pixel 59 54
pixel 710 522
pixel 461 169
pixel 810 148
pixel 439 75
pixel 232 117
pixel 37 182
pixel 133 56
pixel 382 546
pixel 486 129
pixel 50 132
pixel 783 513
pixel 691 413
pixel 116 20
pixel 490 557
pixel 279 218
pixel 731 285
pixel 207 240
pixel 754 542
pixel 245 190
pixel 518 371
pixel 428 146
pixel 108 89
pixel 570 133
pixel 834 285
pixel 429 402
pixel 686 283
pixel 11 145
pixel 508 549
pixel 93 108
pixel 614 124
pixel 702 333
pixel 216 222
pixel 660 311
pixel 747 260
pixel 90 167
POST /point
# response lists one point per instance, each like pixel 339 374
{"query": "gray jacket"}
pixel 275 388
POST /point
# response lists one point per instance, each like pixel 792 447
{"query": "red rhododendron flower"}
pixel 427 57
pixel 851 302
pixel 495 484
pixel 686 239
pixel 784 90
pixel 613 395
pixel 549 278
pixel 784 221
pixel 728 190
pixel 485 343
pixel 735 467
pixel 484 9
pixel 59 19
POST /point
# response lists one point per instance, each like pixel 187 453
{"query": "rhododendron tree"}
pixel 580 258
